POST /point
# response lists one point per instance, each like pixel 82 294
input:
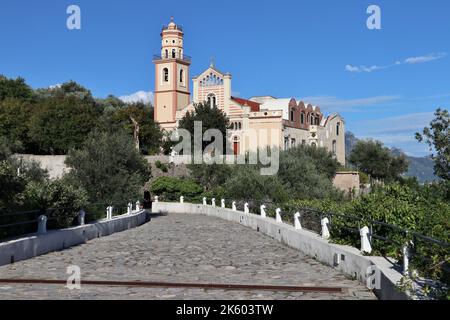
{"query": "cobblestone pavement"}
pixel 180 248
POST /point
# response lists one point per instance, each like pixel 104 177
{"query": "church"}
pixel 256 122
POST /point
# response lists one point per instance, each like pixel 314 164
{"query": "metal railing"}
pixel 16 224
pixel 183 57
pixel 333 225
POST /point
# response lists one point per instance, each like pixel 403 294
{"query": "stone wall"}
pixel 56 167
pixel 347 182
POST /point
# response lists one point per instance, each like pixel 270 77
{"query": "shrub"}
pixel 109 167
pixel 171 189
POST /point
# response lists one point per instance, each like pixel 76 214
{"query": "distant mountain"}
pixel 422 168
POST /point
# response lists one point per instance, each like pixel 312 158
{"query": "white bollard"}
pixel 181 199
pixel 246 209
pixel 138 206
pixel 110 212
pixel 263 211
pixel 213 202
pixel 156 199
pixel 365 243
pixel 130 208
pixel 204 202
pixel 406 254
pixel 297 223
pixel 278 217
pixel 107 212
pixel 233 206
pixel 42 225
pixel 223 203
pixel 81 216
pixel 325 232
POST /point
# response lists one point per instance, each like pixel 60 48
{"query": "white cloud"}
pixel 426 58
pixel 140 96
pixel 412 60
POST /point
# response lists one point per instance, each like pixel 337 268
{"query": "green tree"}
pixel 16 89
pixel 437 136
pixel 109 167
pixel 307 173
pixel 246 183
pixel 14 123
pixel 210 176
pixel 372 158
pixel 62 122
pixel 171 188
pixel 210 117
pixel 139 116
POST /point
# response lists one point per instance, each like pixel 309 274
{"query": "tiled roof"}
pixel 254 106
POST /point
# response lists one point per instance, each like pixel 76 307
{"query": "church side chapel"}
pixel 255 123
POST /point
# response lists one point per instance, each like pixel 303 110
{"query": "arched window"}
pixel 314 144
pixel 240 126
pixel 334 147
pixel 211 100
pixel 167 54
pixel 173 54
pixel 292 115
pixel 302 118
pixel 166 75
pixel 338 128
pixel 181 76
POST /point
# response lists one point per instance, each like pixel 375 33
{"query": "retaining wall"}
pixel 55 240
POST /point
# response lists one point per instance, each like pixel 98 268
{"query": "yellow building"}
pixel 255 123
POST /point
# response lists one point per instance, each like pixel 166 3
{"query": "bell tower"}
pixel 172 76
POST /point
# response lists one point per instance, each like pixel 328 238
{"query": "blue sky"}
pixel 386 83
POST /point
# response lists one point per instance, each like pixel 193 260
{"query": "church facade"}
pixel 256 122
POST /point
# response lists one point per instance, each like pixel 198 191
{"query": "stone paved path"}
pixel 180 248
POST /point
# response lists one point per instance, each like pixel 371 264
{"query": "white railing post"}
pixel 204 201
pixel 81 216
pixel 297 223
pixel 42 225
pixel 246 209
pixel 110 212
pixel 325 232
pixel 278 216
pixel 181 199
pixel 223 203
pixel 365 243
pixel 213 202
pixel 130 208
pixel 263 211
pixel 138 206
pixel 406 255
pixel 156 199
pixel 233 206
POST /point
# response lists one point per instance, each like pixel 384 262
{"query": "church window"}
pixel 181 75
pixel 292 115
pixel 173 53
pixel 167 54
pixel 338 129
pixel 240 126
pixel 302 118
pixel 211 99
pixel 166 75
pixel 334 147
